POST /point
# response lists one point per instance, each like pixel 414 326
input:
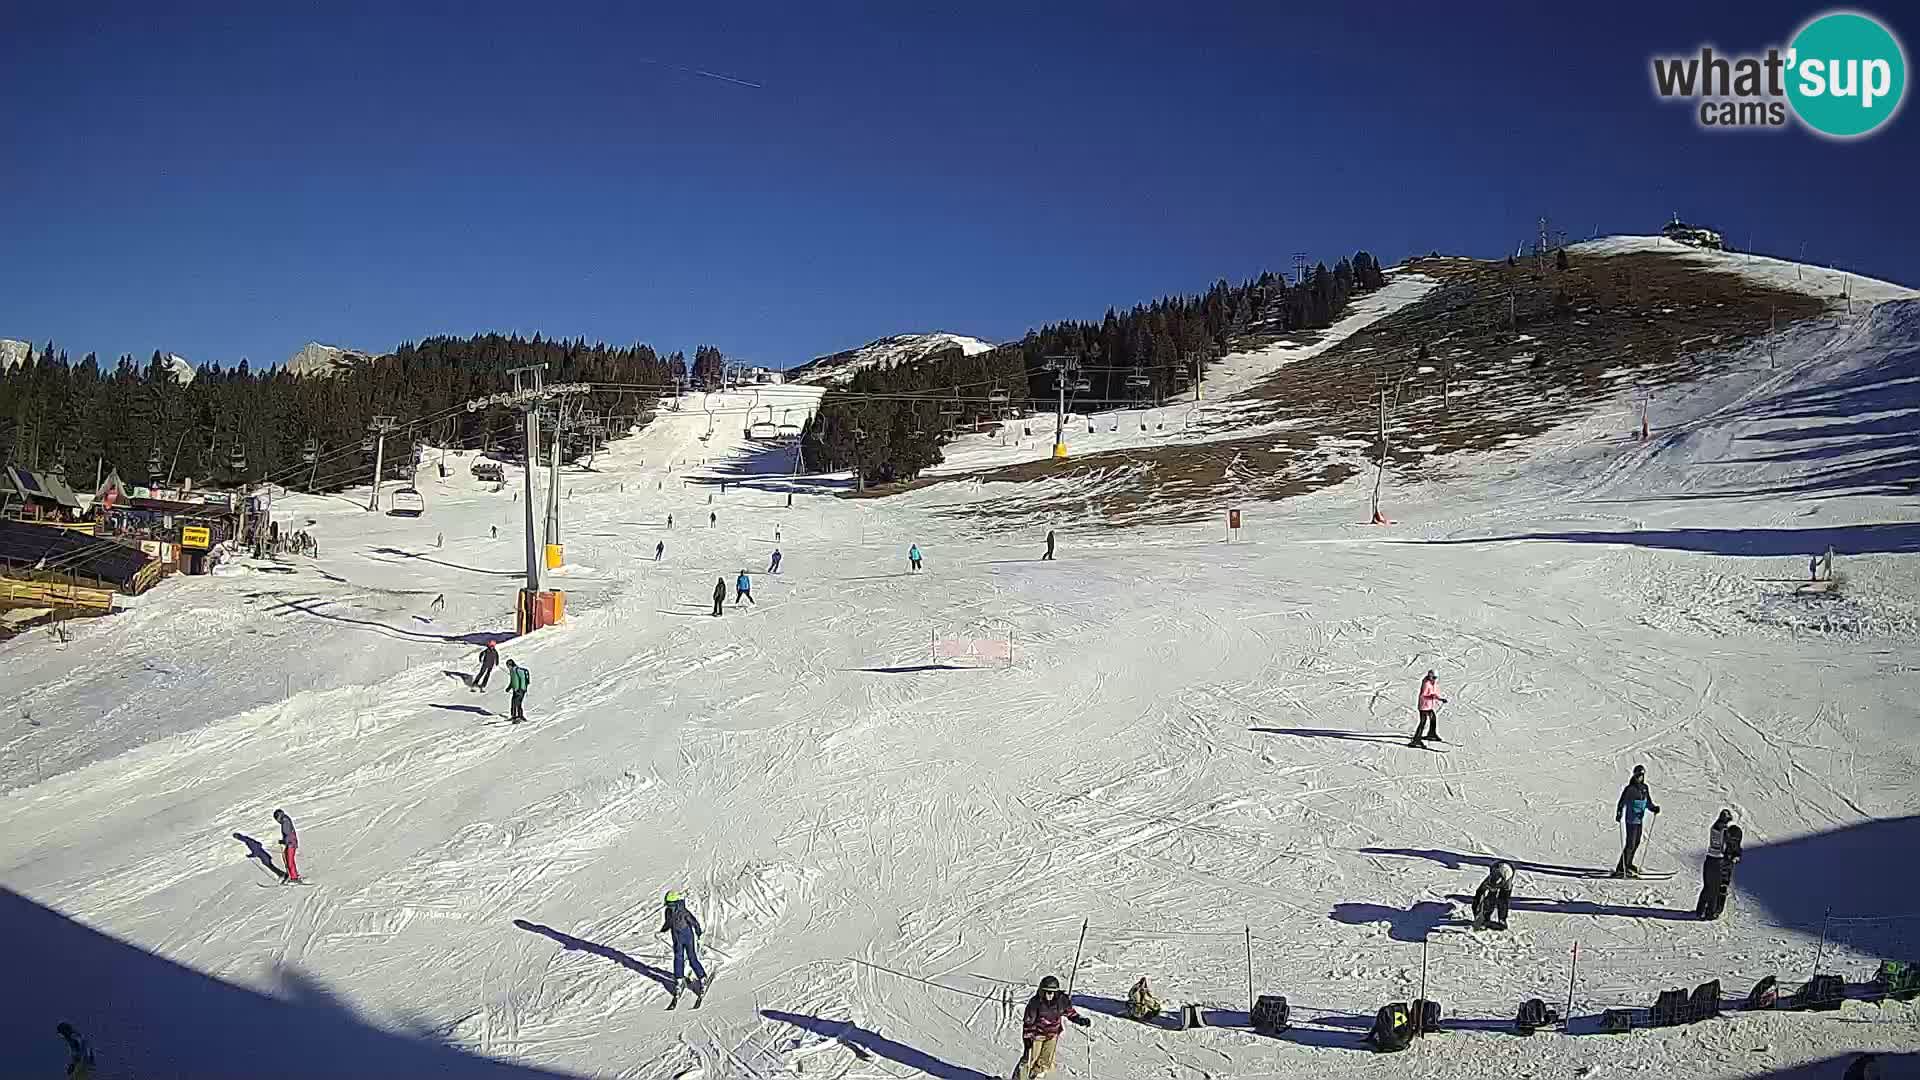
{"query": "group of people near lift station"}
pixel 1494 897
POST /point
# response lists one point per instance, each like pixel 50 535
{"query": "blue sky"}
pixel 225 185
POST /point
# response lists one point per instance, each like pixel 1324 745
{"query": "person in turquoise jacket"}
pixel 913 557
pixel 743 590
pixel 1635 800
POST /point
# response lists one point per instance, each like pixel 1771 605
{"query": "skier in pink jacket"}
pixel 1429 705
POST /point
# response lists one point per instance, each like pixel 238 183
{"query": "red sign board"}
pixel 1233 519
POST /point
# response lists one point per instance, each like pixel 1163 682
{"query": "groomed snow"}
pixel 1195 740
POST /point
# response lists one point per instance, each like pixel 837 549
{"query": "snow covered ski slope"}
pixel 1197 751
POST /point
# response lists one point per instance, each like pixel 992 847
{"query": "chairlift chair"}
pixel 407 502
pixel 997 396
pixel 1139 379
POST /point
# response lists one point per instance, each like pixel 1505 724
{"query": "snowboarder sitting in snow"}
pixel 1492 898
pixel 517 682
pixel 686 931
pixel 1635 800
pixel 1428 703
pixel 289 846
pixel 79 1053
pixel 489 659
pixel 743 590
pixel 1040 1029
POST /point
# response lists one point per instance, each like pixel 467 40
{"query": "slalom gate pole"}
pixel 1820 951
pixel 1573 972
pixel 1076 960
pixel 1420 1014
pixel 1250 975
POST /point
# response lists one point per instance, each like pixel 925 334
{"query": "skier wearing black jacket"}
pixel 1635 800
pixel 719 596
pixel 1712 866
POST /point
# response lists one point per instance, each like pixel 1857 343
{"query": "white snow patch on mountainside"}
pixel 13 352
pixel 1821 281
pixel 315 358
pixel 181 368
pixel 838 368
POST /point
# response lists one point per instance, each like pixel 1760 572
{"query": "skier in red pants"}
pixel 290 843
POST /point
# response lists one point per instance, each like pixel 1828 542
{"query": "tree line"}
pixel 1136 358
pixel 229 426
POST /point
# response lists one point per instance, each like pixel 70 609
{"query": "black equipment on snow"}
pixel 1426 1016
pixel 1392 1028
pixel 1821 993
pixel 1533 1015
pixel 1270 1014
pixel 1616 1021
pixel 1705 1002
pixel 1670 1009
pixel 1765 994
pixel 1190 1017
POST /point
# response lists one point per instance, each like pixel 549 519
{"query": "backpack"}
pixel 1616 1021
pixel 1392 1029
pixel 1822 992
pixel 1270 1014
pixel 1765 994
pixel 1426 1016
pixel 1671 1009
pixel 1705 1002
pixel 1141 1004
pixel 1533 1015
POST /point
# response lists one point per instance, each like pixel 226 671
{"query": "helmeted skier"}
pixel 1428 703
pixel 1716 870
pixel 1491 899
pixel 518 679
pixel 1040 1029
pixel 289 846
pixel 1635 800
pixel 489 659
pixel 686 930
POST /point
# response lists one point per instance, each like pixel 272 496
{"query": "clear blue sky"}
pixel 226 185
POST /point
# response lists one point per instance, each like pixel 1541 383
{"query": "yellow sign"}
pixel 195 536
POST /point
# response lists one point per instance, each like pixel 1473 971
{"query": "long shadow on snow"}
pixel 475 709
pixel 573 944
pixel 1901 538
pixel 1860 871
pixel 867 1043
pixel 1399 738
pixel 1454 860
pixel 448 565
pixel 160 1018
pixel 292 607
pixel 1411 924
pixel 258 852
pixel 909 669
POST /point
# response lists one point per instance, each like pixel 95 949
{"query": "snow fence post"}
pixel 1821 949
pixel 1420 1013
pixel 1573 971
pixel 1076 960
pixel 1250 975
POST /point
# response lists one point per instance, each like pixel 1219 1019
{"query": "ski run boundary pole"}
pixel 1249 974
pixel 1075 970
pixel 1573 972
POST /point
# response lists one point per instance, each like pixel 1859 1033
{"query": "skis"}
pixel 1644 875
pixel 700 987
pixel 1429 746
pixel 282 884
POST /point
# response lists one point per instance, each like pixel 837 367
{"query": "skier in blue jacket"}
pixel 686 930
pixel 743 590
pixel 1635 800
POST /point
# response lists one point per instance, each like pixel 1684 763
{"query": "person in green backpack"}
pixel 517 680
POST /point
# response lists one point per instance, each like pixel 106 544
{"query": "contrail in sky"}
pixel 707 74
